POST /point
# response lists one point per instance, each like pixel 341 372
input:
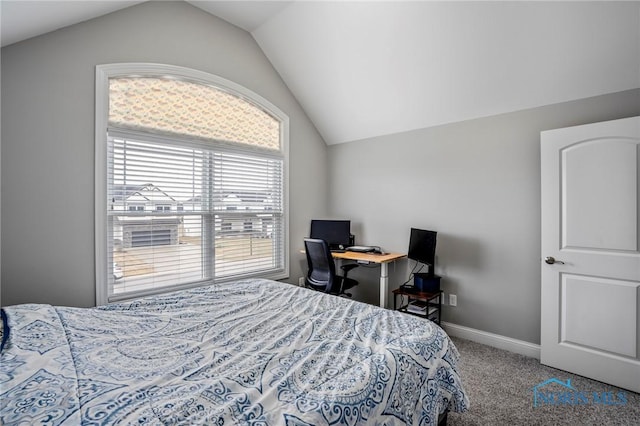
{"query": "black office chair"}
pixel 322 270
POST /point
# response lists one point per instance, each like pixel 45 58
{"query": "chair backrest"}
pixel 322 269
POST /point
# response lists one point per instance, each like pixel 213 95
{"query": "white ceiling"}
pixel 369 68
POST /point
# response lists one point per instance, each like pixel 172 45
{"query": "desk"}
pixel 382 259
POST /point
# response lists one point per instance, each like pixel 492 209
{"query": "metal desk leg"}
pixel 384 284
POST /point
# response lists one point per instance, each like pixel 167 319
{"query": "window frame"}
pixel 103 74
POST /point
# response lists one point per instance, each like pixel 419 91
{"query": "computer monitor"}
pixel 337 233
pixel 422 247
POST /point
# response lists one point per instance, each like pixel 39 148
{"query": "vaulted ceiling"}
pixel 369 68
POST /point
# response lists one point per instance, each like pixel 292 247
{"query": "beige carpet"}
pixel 500 388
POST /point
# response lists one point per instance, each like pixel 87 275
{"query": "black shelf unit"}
pixel 433 301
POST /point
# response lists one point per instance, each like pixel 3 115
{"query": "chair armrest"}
pixel 346 268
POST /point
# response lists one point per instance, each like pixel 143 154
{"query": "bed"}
pixel 250 352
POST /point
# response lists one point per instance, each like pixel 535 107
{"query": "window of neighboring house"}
pixel 183 138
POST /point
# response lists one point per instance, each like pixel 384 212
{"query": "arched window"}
pixel 190 181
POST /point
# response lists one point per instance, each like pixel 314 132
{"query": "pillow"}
pixel 4 336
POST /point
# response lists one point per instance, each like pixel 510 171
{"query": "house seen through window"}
pixel 194 174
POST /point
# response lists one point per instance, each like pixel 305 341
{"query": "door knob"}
pixel 550 260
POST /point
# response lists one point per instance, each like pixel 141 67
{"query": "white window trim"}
pixel 106 71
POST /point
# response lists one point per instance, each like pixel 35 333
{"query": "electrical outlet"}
pixel 301 281
pixel 453 300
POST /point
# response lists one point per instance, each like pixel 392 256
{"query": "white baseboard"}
pixel 494 340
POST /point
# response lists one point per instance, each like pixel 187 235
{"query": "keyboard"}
pixel 364 249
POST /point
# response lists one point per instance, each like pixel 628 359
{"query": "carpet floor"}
pixel 500 386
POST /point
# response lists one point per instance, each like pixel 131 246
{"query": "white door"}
pixel 590 315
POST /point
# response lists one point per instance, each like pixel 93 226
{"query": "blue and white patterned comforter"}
pixel 253 352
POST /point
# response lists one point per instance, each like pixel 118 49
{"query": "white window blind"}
pixel 190 181
pixel 229 222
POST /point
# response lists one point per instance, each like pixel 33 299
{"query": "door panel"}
pixel 590 312
pixel 599 314
pixel 588 189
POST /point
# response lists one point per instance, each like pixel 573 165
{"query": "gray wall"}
pixel 48 137
pixel 478 184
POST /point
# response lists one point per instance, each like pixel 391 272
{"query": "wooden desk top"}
pixel 369 257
